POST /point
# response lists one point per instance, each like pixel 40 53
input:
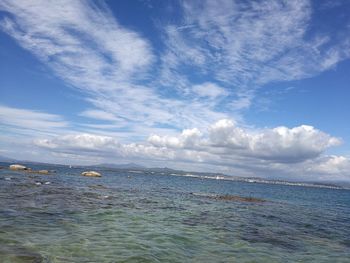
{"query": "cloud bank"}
pixel 280 151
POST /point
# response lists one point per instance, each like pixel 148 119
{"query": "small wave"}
pixel 204 194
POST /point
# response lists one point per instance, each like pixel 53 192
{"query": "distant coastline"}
pixel 136 168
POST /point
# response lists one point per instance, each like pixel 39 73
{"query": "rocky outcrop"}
pixel 91 174
pixel 18 167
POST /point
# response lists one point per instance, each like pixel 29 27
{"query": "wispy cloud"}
pixel 211 64
pixel 99 115
pixel 85 46
pixel 81 41
pixel 231 47
pixel 31 121
pixel 209 90
pixel 245 45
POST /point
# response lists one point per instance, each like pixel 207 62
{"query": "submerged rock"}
pixel 43 172
pixel 239 198
pixel 98 186
pixel 91 174
pixel 39 171
pixel 235 198
pixel 18 167
pixel 19 254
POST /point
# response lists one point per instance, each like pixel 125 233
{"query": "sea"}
pixel 137 216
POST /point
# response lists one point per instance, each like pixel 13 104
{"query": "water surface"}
pixel 136 217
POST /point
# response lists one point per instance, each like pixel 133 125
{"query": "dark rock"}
pixel 239 198
pixel 234 198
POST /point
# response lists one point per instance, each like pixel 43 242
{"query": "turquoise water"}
pixel 136 217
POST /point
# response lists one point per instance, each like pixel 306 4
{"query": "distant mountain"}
pixel 164 170
pixel 121 166
pixel 6 159
pixel 202 175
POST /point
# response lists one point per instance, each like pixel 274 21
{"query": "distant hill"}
pixel 164 169
pixel 203 175
pixel 121 166
pixel 6 159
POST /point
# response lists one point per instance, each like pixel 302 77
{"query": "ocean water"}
pixel 137 217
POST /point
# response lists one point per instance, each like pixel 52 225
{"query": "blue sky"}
pixel 248 88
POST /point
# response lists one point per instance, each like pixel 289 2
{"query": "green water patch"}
pixel 19 254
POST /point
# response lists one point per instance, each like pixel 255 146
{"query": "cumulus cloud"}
pixel 280 144
pixel 84 142
pixel 332 164
pixel 297 152
pixel 188 138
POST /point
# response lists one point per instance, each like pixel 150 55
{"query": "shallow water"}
pixel 135 217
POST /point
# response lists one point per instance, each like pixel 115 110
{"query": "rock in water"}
pixel 239 198
pixel 43 172
pixel 17 167
pixel 91 174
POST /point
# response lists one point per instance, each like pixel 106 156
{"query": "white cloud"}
pixel 31 120
pixel 281 144
pixel 298 152
pixel 73 143
pixel 245 45
pixel 77 39
pixel 99 115
pixel 296 144
pixel 209 90
pixel 230 47
pixel 224 145
pixel 84 44
pixel 188 138
pixel 332 165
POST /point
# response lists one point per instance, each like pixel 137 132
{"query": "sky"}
pixel 245 88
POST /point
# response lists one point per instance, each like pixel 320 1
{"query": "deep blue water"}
pixel 136 217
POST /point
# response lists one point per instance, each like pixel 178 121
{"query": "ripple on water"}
pixel 19 254
pixel 158 220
